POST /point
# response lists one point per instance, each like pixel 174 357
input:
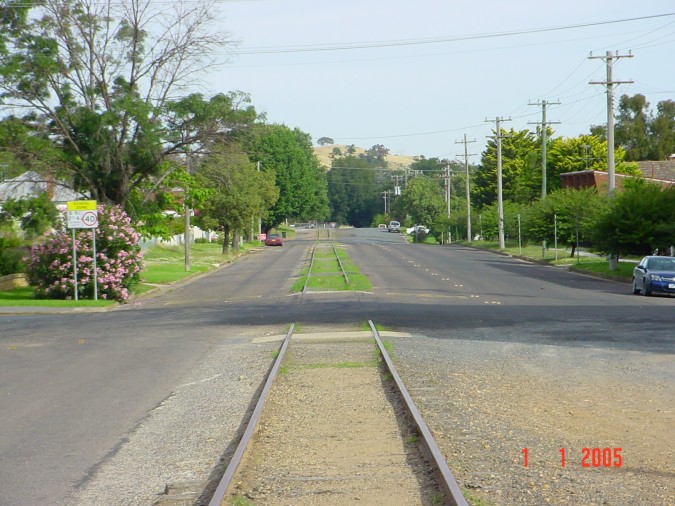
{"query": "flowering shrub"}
pixel 118 260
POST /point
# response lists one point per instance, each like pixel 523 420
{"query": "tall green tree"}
pixel 662 130
pixel 354 190
pixel 288 154
pixel 97 77
pixel 643 134
pixel 519 158
pixel 423 200
pixel 632 127
pixel 586 152
pixel 429 166
pixel 233 193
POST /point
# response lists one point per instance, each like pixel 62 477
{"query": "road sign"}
pixel 82 205
pixel 82 219
pixel 82 214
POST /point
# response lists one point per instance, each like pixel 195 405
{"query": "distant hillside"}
pixel 394 161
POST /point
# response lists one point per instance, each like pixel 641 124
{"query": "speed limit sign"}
pixel 82 214
pixel 90 219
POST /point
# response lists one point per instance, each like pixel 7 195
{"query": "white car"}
pixel 394 226
pixel 417 228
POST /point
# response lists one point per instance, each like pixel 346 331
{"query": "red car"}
pixel 274 240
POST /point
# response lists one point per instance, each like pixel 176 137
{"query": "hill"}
pixel 395 161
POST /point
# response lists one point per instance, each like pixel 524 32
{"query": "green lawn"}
pixel 590 263
pixel 163 265
pixel 24 297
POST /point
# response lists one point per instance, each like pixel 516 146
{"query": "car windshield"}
pixel 273 236
pixel 662 264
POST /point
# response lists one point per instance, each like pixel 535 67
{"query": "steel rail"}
pixel 344 272
pixel 452 489
pixel 309 271
pixel 251 427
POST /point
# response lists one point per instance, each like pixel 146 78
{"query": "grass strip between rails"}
pixel 327 276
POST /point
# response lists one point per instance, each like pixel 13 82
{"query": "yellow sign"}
pixel 82 205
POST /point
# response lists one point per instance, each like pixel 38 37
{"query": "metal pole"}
pixel 610 126
pixel 520 242
pixel 75 264
pixel 555 234
pixel 93 230
pixel 259 218
pixel 500 199
pixel 186 217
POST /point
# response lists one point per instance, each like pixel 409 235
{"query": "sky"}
pixel 421 74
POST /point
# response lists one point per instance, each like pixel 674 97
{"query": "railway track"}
pixel 334 424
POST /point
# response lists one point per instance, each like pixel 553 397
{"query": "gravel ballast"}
pixel 487 400
pixel 173 452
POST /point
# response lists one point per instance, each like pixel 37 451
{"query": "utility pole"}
pixel 447 187
pixel 259 218
pixel 500 199
pixel 385 196
pixel 609 83
pixel 544 133
pixel 468 186
pixel 186 217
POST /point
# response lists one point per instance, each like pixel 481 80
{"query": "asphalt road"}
pixel 74 386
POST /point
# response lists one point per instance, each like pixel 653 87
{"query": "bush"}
pixel 12 256
pixel 118 260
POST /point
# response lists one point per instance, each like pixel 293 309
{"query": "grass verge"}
pixel 163 265
pixel 589 263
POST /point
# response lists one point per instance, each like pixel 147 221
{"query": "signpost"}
pixel 83 214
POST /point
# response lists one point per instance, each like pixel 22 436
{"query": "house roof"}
pixel 30 184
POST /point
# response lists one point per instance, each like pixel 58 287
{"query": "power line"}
pixel 434 40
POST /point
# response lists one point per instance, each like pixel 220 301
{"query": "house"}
pixel 661 172
pixel 30 184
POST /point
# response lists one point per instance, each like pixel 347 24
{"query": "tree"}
pixel 354 191
pixel 585 152
pixel 519 158
pixel 36 214
pixel 638 220
pixel 643 135
pixel 325 140
pixel 98 77
pixel 237 193
pixel 423 200
pixel 632 127
pixel 569 212
pixel 301 180
pixel 662 130
pixel 428 166
pixel 377 153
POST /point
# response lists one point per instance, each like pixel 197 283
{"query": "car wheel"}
pixel 636 290
pixel 645 290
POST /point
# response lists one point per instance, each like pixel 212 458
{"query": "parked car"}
pixel 383 226
pixel 394 226
pixel 654 274
pixel 417 229
pixel 274 240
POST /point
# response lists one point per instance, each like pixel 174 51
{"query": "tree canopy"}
pixel 288 154
pixel 100 80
